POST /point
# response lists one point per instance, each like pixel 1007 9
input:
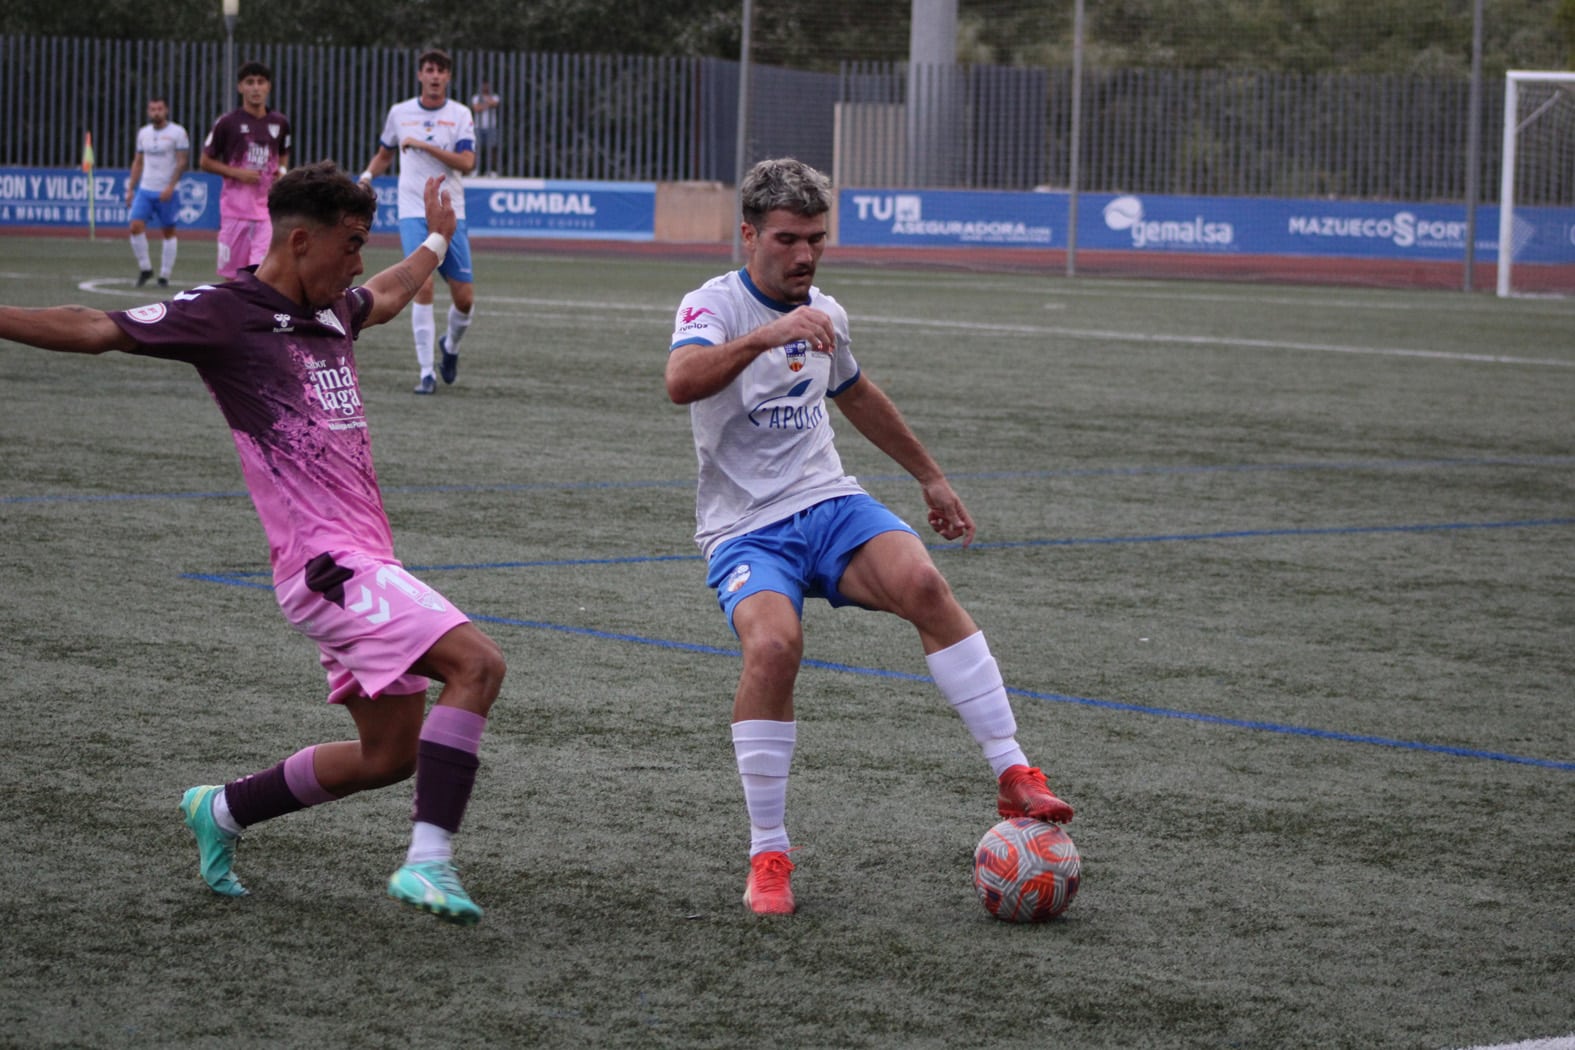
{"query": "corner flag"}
pixel 87 169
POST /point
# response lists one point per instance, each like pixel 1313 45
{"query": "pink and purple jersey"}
pixel 285 378
pixel 242 140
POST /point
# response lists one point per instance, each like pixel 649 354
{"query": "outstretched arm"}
pixel 875 416
pixel 393 288
pixel 68 329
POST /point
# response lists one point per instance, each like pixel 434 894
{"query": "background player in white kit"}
pixel 435 137
pixel 163 151
pixel 755 355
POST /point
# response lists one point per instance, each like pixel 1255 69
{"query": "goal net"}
pixel 1536 222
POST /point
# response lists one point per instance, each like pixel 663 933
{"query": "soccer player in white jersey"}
pixel 434 137
pixel 163 151
pixel 755 354
pixel 276 349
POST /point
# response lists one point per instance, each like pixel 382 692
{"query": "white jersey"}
pixel 449 127
pixel 158 147
pixel 764 441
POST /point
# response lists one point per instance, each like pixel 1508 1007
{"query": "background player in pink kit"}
pixel 248 148
pixel 276 350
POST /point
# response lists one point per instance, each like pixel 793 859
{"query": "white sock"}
pixel 426 334
pixel 764 751
pixel 971 682
pixel 139 248
pixel 167 257
pixel 457 323
pixel 221 811
pixel 429 842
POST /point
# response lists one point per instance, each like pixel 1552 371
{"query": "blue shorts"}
pixel 456 264
pixel 146 206
pixel 801 556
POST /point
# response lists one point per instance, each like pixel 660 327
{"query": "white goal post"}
pixel 1549 101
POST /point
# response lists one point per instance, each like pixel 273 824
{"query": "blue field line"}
pixel 984 475
pixel 262 580
pixel 1244 534
pixel 1062 698
pixel 239 578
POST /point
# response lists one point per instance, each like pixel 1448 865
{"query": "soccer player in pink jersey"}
pixel 276 348
pixel 248 148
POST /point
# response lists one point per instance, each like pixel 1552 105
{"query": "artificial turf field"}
pixel 1282 580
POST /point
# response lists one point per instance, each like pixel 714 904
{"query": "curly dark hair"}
pixel 320 194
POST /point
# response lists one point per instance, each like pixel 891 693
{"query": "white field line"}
pixel 1558 1042
pixel 108 286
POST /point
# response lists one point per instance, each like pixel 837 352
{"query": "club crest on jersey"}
pixel 797 352
pixel 273 131
pixel 326 318
pixel 149 314
pixel 736 579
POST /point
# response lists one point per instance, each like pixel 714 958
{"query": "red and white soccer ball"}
pixel 1026 870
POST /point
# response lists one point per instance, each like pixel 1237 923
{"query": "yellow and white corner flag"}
pixel 87 169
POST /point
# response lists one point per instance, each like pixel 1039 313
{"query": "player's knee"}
pixel 925 594
pixel 774 655
pixel 483 668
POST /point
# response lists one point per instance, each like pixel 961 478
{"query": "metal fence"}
pixel 619 117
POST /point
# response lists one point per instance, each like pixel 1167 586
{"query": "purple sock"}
pixel 446 766
pixel 281 789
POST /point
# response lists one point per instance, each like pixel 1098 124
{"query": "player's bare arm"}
pixel 180 169
pixel 381 161
pixel 134 179
pixel 393 288
pixel 67 329
pixel 875 415
pixel 697 371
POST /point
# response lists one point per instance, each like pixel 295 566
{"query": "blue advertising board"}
pixel 1213 225
pixel 950 218
pixel 494 207
pixel 623 211
pixel 64 197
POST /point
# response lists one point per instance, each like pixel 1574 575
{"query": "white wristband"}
pixel 366 177
pixel 437 244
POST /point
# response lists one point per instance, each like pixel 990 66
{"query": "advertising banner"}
pixel 494 207
pixel 621 211
pixel 1214 225
pixel 951 218
pixel 64 196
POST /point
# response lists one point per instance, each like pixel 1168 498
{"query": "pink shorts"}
pixel 370 619
pixel 242 243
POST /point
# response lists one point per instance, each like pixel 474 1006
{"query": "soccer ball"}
pixel 1026 870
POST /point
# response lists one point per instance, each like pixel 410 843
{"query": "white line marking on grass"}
pixel 102 285
pixel 1557 1042
pixel 1213 341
